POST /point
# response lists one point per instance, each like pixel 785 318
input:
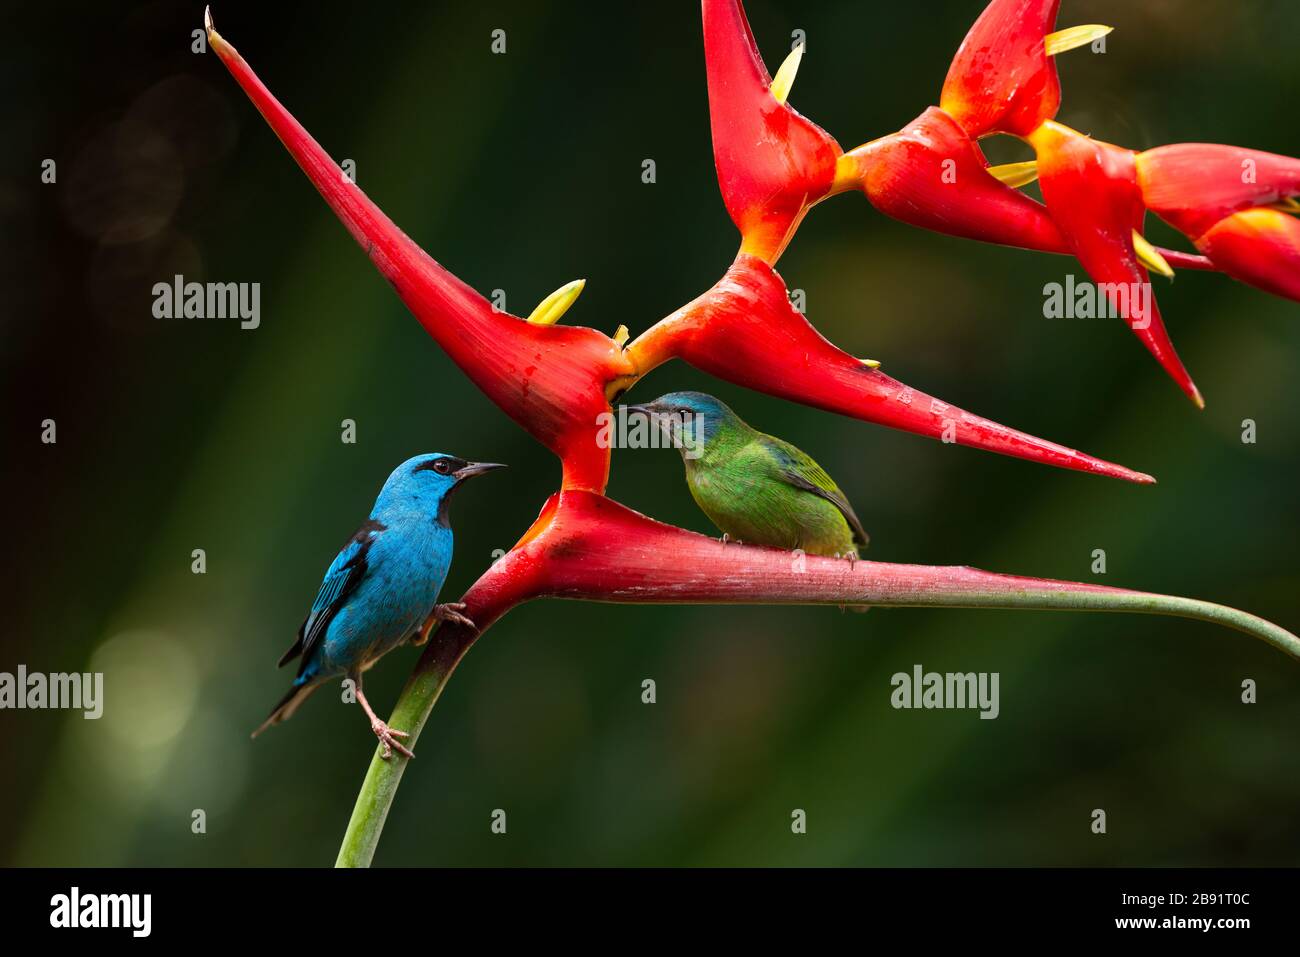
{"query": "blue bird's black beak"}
pixel 470 469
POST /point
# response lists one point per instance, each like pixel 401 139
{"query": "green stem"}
pixel 446 648
pixel 448 645
pixel 1134 602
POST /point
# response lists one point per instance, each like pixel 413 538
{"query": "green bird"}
pixel 755 487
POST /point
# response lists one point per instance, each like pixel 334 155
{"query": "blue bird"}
pixel 382 586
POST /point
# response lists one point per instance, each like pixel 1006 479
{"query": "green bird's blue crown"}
pixel 694 417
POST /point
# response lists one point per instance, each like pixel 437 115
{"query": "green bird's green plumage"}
pixel 755 487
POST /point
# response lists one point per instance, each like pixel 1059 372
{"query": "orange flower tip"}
pixel 1062 41
pixel 621 336
pixel 1015 175
pixel 550 309
pixel 1151 257
pixel 784 79
pixel 1198 398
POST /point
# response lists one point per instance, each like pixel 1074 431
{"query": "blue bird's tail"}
pixel 294 651
pixel 287 705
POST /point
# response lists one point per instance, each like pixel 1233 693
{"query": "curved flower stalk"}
pixel 557 380
pixel 587 547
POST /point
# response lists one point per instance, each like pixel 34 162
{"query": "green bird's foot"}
pixel 726 539
pixel 454 611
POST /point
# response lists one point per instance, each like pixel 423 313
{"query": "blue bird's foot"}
pixel 387 736
pixel 454 611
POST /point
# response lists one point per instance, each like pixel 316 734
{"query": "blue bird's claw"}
pixel 454 611
pixel 388 738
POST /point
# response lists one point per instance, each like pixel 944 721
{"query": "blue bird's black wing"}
pixel 341 579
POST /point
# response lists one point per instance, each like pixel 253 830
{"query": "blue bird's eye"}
pixel 441 467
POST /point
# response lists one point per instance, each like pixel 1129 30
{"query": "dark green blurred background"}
pixel 521 172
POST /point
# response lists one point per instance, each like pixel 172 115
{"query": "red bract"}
pixel 1002 80
pixel 773 164
pixel 744 330
pixel 550 379
pixel 588 547
pixel 933 174
pixel 1091 189
pixel 555 380
pixel 1261 247
pixel 1219 197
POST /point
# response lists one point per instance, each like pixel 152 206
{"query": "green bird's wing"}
pixel 798 469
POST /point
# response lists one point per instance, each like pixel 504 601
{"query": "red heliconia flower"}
pixel 745 330
pixel 556 381
pixel 933 174
pixel 773 164
pixel 1233 204
pixel 1002 79
pixel 551 379
pixel 1092 192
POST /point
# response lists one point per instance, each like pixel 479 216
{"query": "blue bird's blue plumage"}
pixel 384 582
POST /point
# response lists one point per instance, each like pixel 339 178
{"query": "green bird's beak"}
pixel 649 410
